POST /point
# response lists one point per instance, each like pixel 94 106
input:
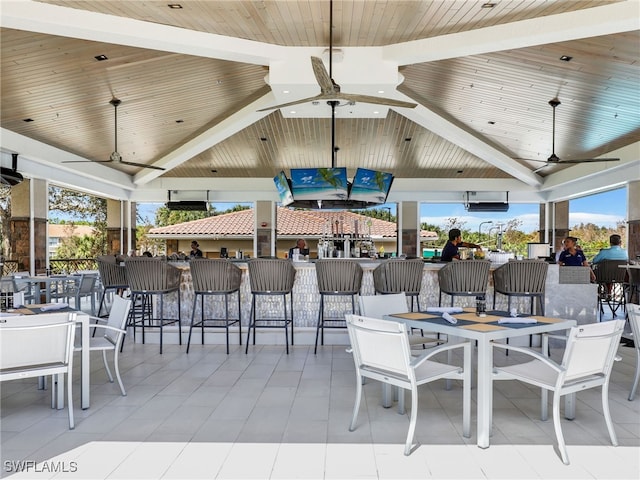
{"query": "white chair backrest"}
pixel 48 342
pixel 117 317
pixel 380 345
pixel 591 349
pixel 377 306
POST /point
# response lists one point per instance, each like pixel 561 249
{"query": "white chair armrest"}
pixel 107 327
pixel 531 353
pixel 435 350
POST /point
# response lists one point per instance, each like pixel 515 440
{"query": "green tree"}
pixel 166 217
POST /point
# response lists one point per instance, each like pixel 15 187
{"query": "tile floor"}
pixel 267 415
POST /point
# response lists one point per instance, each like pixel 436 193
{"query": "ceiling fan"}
pixel 554 159
pixel 330 90
pixel 10 176
pixel 115 156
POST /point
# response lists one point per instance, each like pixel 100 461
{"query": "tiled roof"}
pixel 290 223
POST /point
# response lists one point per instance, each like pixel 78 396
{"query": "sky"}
pixel 603 209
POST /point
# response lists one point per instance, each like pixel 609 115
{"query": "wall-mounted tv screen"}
pixel 370 186
pixel 284 189
pixel 319 183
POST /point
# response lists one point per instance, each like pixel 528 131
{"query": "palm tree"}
pixel 330 176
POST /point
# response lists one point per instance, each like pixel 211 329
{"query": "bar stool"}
pixel 400 276
pixel 113 278
pixel 611 278
pixel 464 278
pixel 521 278
pixel 215 278
pixel 149 278
pixel 271 277
pixel 336 278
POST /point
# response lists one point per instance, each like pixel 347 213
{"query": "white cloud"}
pixel 600 219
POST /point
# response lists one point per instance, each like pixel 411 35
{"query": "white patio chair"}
pixel 634 321
pixel 114 331
pixel 41 350
pixel 381 351
pixel 587 363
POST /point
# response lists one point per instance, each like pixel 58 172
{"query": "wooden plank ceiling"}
pixel 55 91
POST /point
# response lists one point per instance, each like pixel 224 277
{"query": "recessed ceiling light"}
pixel 408 139
pixel 213 170
pixel 174 6
pixel 263 139
pixel 101 58
pixel 491 122
pixel 292 111
pixel 488 5
pixel 285 91
pixel 375 112
pixel 459 171
pixel 566 58
pixel 380 91
pixel 28 120
pixel 180 121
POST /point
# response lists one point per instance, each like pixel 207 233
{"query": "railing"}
pixel 72 265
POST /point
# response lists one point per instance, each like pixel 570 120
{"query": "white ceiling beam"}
pixel 467 139
pixel 222 130
pixel 75 23
pixel 589 22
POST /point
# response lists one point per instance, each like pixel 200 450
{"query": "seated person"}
pixel 450 250
pixel 301 245
pixel 614 252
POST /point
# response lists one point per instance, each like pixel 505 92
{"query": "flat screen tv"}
pixel 319 183
pixel 284 189
pixel 370 186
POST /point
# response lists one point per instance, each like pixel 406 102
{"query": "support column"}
pixel 117 234
pixel 559 224
pixel 264 229
pixel 633 217
pixel 28 225
pixel 409 228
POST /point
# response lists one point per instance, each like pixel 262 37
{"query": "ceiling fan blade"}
pixel 589 160
pixel 295 102
pixel 389 102
pixel 142 165
pixel 86 161
pixel 322 76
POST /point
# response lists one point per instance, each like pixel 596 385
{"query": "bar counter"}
pixel 577 302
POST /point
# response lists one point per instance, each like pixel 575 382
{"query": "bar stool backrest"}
pixel 465 277
pixel 399 275
pixel 151 275
pixel 520 276
pixel 212 275
pixel 112 275
pixel 609 271
pixel 271 275
pixel 335 275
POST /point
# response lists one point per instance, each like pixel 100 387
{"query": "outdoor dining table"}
pixel 49 281
pixel 485 330
pixel 29 316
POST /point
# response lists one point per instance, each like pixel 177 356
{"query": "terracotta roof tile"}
pixel 290 223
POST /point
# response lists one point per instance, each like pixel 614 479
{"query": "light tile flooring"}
pixel 267 415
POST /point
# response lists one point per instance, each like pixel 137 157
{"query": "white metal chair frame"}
pixel 114 332
pixel 41 350
pixel 381 351
pixel 634 322
pixel 587 363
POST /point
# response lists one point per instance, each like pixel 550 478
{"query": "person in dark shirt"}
pixel 195 250
pixel 572 256
pixel 450 250
pixel 301 245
